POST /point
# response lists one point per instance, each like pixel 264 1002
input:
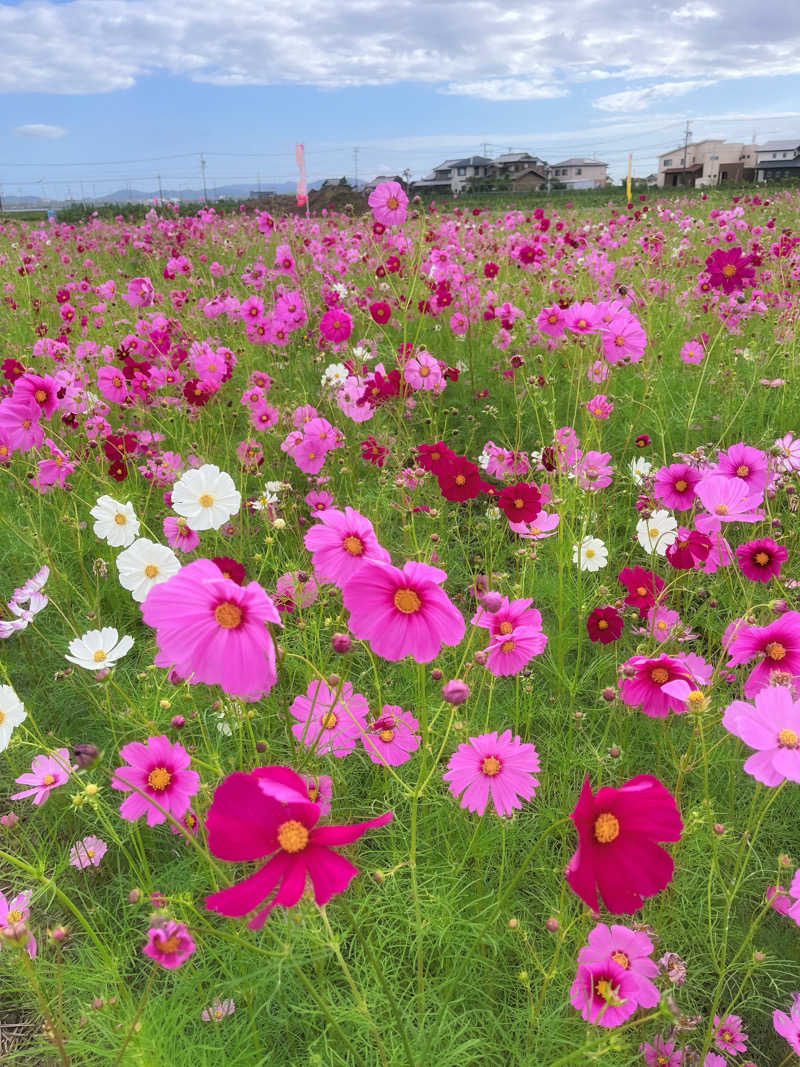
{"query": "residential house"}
pixel 776 160
pixel 513 163
pixel 704 163
pixel 532 178
pixel 578 173
pixel 368 187
pixel 453 175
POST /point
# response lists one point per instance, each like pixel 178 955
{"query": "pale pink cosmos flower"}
pixel 423 372
pixel 16 911
pixel 788 1026
pixel 600 406
pixel 787 453
pixel 725 500
pixel 632 950
pixel 87 852
pixel 544 525
pixel 594 470
pixel 388 202
pixel 771 726
pixel 391 738
pixel 218 1010
pixel 500 767
pixel 47 773
pixel 330 720
pixel 661 1053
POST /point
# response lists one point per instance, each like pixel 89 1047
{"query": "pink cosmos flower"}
pixel 729 1035
pixel 88 852
pixel 645 689
pixel 692 352
pixel 600 406
pixel 423 372
pixel 267 813
pixel 388 202
pixel 631 950
pixel 788 1026
pixel 746 463
pixel 170 944
pixel 761 559
pixel 581 318
pixel 662 1053
pixel 402 612
pixel 623 339
pixel 336 325
pixel 341 543
pixel 594 471
pixel 771 726
pixel 787 449
pixel 725 500
pixel 318 500
pixel 319 788
pixel 46 773
pixel 663 623
pixel 604 993
pixel 211 630
pixel 510 615
pixel 41 388
pixel 15 911
pixel 330 720
pixel 501 767
pixel 140 292
pixel 728 269
pixel 158 770
pixel 508 653
pixel 392 738
pixel 179 533
pixel 543 526
pixel 112 384
pixel 218 1010
pixel 674 486
pixel 780 644
pixel 19 424
pixel 551 321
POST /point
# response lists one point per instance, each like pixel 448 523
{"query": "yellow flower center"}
pixel 588 552
pixel 99 656
pixel 606 828
pixel 620 958
pixel 90 852
pixel 761 558
pixel 605 989
pixel 506 627
pixel 602 624
pixel 654 531
pixel 407 601
pixel 228 615
pixel 424 371
pixel 386 736
pixel 729 270
pixel 661 625
pixel 328 721
pixel 681 485
pixel 721 509
pixel 353 545
pixel 151 570
pixel 2 716
pixel 392 203
pixel 659 675
pixel 696 699
pixel 788 739
pixel 490 765
pixel 48 779
pixel 742 470
pixel 120 519
pixel 641 591
pixel 292 836
pixel 14 915
pixel 775 651
pixel 159 778
pixel 460 479
pixel 507 646
pixel 206 500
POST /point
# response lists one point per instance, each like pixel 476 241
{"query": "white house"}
pixel 578 173
pixel 705 163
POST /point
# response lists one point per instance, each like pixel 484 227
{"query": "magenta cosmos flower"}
pixel 788 1026
pixel 392 737
pixel 729 270
pixel 388 202
pixel 336 325
pixel 662 1053
pixel 157 770
pixel 340 543
pixel 402 612
pixel 631 949
pixel 761 559
pixel 729 1035
pixel 772 727
pixel 645 689
pixel 779 643
pixel 329 720
pixel 604 993
pixel 267 813
pixel 211 630
pixel 674 486
pixel 618 855
pixel 501 767
pixel 170 944
pixel 46 773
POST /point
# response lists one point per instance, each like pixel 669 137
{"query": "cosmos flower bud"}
pixel 85 754
pixel 481 657
pixel 177 722
pixel 551 925
pixel 491 601
pixel 455 691
pixel 341 643
pixel 436 674
pixel 16 934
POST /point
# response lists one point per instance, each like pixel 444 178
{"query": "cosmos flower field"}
pixel 400 637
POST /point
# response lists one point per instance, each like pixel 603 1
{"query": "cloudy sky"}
pixel 99 94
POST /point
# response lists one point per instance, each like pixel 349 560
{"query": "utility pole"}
pixel 258 182
pixel 485 148
pixel 160 191
pixel 203 171
pixel 687 135
pixel 355 166
pixel 407 176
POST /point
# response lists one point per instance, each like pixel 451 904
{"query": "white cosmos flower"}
pixel 98 649
pixel 639 468
pixel 116 523
pixel 206 497
pixel 144 565
pixel 657 533
pixel 334 375
pixel 12 714
pixel 591 554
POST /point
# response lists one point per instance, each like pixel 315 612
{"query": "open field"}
pixel 568 437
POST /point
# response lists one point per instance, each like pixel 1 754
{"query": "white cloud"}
pixel 639 99
pixel 40 129
pixel 493 49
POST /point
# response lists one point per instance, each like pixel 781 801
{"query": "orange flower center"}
pixel 506 627
pixel 40 396
pixel 507 646
pixel 519 502
pixel 788 739
pixel 407 601
pixel 353 545
pixel 120 519
pixel 170 945
pixel 762 558
pixel 392 203
pixel 620 958
pixel 602 624
pixel 386 736
pixel 659 675
pixel 729 270
pixel 151 570
pixel 606 828
pixel 742 470
pixel 159 778
pixel 775 651
pixel 228 615
pixel 328 721
pixel 292 836
pixel 424 371
pixel 460 479
pixel 721 509
pixel 641 591
pixel 681 485
pixel 490 765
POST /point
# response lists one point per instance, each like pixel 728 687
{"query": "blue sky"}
pixel 96 94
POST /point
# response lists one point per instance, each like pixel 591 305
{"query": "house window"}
pixel 461 171
pixel 666 163
pixel 712 158
pixel 683 161
pixel 774 155
pixel 577 170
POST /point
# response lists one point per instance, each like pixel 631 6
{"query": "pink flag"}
pixel 302 192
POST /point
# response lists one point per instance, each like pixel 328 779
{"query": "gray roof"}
pixel 779 146
pixel 513 157
pixel 575 162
